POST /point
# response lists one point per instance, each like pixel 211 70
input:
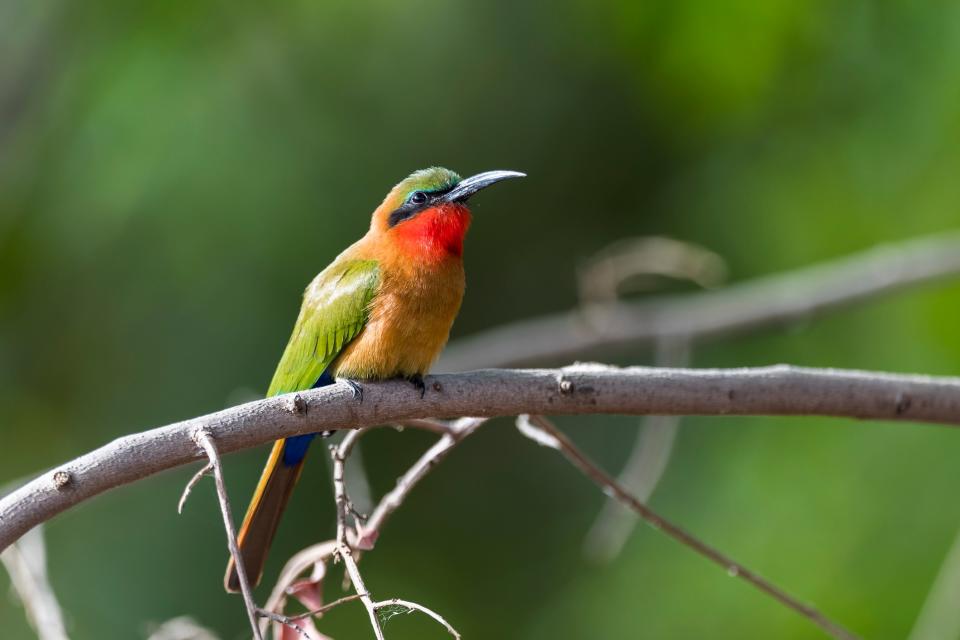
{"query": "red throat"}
pixel 436 233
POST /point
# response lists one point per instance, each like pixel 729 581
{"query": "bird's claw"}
pixel 355 387
pixel 417 381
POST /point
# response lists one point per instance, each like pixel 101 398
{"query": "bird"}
pixel 382 309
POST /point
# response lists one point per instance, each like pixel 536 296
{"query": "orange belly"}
pixel 409 322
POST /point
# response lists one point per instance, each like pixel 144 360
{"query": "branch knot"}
pixel 297 405
pixel 61 480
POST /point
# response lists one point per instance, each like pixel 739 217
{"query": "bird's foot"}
pixel 355 387
pixel 417 381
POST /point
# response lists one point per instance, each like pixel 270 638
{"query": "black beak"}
pixel 469 186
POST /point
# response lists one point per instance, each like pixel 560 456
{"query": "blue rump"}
pixel 295 448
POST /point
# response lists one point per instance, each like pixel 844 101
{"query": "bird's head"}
pixel 427 214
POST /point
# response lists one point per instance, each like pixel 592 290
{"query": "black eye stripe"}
pixel 402 213
pixel 408 210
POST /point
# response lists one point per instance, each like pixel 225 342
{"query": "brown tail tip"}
pixel 231 581
pixel 263 517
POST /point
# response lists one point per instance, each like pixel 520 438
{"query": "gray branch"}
pixel 792 296
pixel 581 389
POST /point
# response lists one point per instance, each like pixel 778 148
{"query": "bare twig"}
pixel 404 485
pixel 397 602
pixel 582 389
pixel 187 490
pixel 746 306
pixel 26 562
pixel 344 552
pixel 645 466
pixel 319 611
pixel 611 487
pixel 203 438
pixel 358 485
pixel 346 555
pixel 293 622
pixel 286 621
pixel 368 533
pixel 602 281
pixel 319 553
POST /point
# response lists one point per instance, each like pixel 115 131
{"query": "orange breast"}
pixel 410 320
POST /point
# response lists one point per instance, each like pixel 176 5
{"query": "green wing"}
pixel 335 309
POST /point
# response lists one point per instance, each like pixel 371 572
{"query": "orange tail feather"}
pixel 263 516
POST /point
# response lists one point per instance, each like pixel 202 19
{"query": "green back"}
pixel 335 309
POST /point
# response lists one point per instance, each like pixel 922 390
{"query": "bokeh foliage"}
pixel 173 173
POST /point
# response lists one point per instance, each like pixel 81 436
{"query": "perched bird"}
pixel 382 309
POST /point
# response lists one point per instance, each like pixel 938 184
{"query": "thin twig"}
pixel 358 485
pixel 397 602
pixel 205 440
pixel 368 532
pixel 611 487
pixel 317 554
pixel 645 466
pixel 365 536
pixel 285 621
pixel 291 621
pixel 601 281
pixel 300 562
pixel 344 552
pixel 318 611
pixel 582 389
pixel 187 490
pixel 457 431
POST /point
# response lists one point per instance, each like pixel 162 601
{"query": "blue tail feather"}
pixel 295 448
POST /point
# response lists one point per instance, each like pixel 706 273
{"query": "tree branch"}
pixel 311 557
pixel 645 466
pixel 369 531
pixel 795 295
pixel 206 442
pixel 365 534
pixel 344 550
pixel 581 389
pixel 414 606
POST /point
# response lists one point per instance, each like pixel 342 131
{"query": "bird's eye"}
pixel 417 197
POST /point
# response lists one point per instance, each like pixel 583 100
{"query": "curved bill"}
pixel 469 186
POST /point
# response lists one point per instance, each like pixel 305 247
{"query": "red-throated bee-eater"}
pixel 382 309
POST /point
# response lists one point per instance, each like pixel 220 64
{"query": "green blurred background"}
pixel 172 174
